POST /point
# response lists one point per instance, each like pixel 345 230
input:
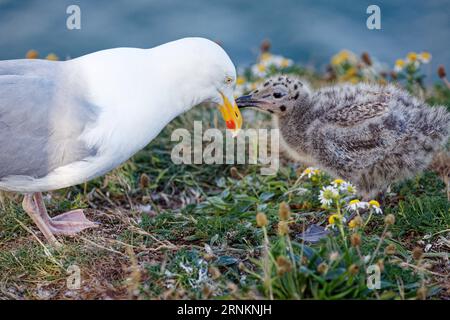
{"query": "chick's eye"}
pixel 278 95
pixel 228 80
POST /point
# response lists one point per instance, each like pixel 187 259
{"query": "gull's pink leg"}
pixel 69 223
pixel 33 211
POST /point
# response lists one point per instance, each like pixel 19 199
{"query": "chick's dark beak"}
pixel 247 101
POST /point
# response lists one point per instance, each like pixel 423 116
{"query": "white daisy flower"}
pixel 348 187
pixel 355 205
pixel 328 195
pixel 425 57
pixel 375 205
pixel 309 172
pixel 259 70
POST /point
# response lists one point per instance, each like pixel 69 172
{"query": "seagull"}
pixel 368 134
pixel 63 123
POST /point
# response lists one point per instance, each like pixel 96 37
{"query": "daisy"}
pixel 356 204
pixel 259 70
pixel 328 195
pixel 309 172
pixel 348 187
pixel 399 65
pixel 337 183
pixel 425 57
pixel 374 204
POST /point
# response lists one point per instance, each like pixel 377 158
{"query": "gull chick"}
pixel 368 134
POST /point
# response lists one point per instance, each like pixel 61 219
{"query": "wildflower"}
pixel 390 249
pixel 417 253
pixel 355 240
pixel 234 173
pixel 333 219
pixel 353 269
pixel 261 219
pixel 285 63
pixel 343 56
pixel 399 65
pixel 240 81
pixel 284 211
pixel 309 172
pixel 334 256
pixel 206 291
pixel 389 220
pixel 265 56
pixel 283 265
pixel 412 57
pixel 337 183
pixel 265 46
pixel 422 293
pixel 322 268
pixel 425 57
pixel 52 57
pixel 380 264
pixel 374 204
pixel 283 228
pixel 327 195
pixel 356 222
pixel 215 273
pixel 259 70
pixel 232 287
pixel 144 181
pixel 356 204
pixel 441 72
pixel 32 54
pixel 366 58
pixel 348 187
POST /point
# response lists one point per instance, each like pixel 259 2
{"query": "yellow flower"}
pixel 265 56
pixel 284 63
pixel 52 57
pixel 411 57
pixel 352 224
pixel 425 57
pixel 333 218
pixel 32 54
pixel 354 201
pixel 374 203
pixel 340 57
pixel 261 67
pixel 240 81
pixel 399 65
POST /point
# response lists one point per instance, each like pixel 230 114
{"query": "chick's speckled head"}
pixel 278 95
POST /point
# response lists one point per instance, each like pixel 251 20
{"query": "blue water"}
pixel 307 31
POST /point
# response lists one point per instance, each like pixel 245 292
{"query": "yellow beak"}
pixel 231 115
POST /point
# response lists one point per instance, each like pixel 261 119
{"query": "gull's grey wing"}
pixel 42 114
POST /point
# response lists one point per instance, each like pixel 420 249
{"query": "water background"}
pixel 308 31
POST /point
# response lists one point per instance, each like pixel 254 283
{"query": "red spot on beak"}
pixel 231 125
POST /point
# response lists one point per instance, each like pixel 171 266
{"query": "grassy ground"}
pixel 190 231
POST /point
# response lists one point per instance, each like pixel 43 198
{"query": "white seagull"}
pixel 64 123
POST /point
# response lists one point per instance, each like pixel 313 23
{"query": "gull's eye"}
pixel 228 80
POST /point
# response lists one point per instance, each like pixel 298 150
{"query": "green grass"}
pixel 202 220
pixel 190 232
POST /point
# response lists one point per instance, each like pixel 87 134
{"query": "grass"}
pixel 190 232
